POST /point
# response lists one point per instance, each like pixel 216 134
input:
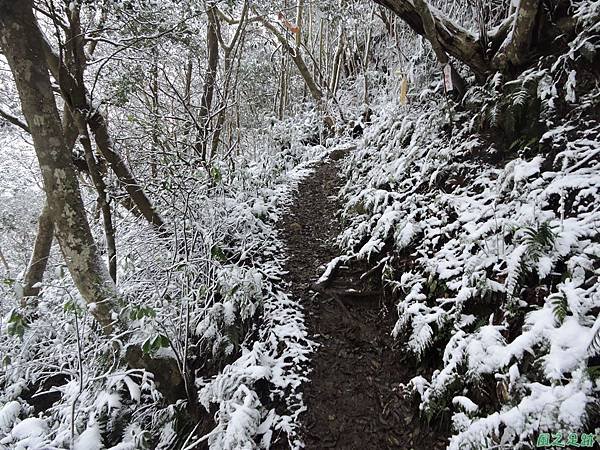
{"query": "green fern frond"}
pixel 539 239
pixel 517 275
pixel 560 307
pixel 593 372
pixel 520 98
pixel 495 115
pixel 497 82
pixel 103 421
pixel 476 95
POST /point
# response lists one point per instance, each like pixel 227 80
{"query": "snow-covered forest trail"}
pixel 353 397
pixel 278 225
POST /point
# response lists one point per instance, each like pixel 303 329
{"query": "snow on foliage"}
pixel 227 297
pixel 28 433
pixel 502 251
pixel 8 414
pixel 493 251
pixel 279 357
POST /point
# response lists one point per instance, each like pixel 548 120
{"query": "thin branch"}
pixel 14 120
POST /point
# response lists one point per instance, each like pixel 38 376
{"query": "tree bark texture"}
pixel 40 254
pixel 508 48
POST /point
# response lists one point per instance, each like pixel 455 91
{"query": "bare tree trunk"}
pixel 231 51
pixel 45 231
pixel 20 39
pixel 364 61
pixel 518 42
pixel 5 263
pixel 40 254
pixel 155 103
pixel 282 86
pixel 78 56
pixel 69 128
pixel 299 17
pixel 320 70
pixel 337 62
pixel 309 36
pixel 452 38
pixel 326 59
pixel 109 231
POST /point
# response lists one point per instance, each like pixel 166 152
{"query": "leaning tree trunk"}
pixel 96 176
pixel 450 37
pixel 511 44
pixel 34 273
pixel 76 47
pixel 22 46
pixel 296 56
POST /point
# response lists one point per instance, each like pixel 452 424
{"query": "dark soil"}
pixel 354 400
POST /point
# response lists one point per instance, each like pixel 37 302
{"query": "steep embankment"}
pixel 483 225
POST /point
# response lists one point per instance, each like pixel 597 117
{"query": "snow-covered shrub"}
pixel 213 297
pixel 491 244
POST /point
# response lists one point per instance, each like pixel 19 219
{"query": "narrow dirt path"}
pixel 353 398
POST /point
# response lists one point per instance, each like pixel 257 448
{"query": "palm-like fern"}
pixel 537 241
pixel 503 106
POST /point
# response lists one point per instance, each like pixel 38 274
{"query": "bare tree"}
pixel 230 50
pixel 297 58
pixel 212 43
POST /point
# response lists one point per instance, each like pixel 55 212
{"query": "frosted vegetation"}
pixel 492 251
pixel 478 217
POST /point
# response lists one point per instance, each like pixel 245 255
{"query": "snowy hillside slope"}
pixel 487 231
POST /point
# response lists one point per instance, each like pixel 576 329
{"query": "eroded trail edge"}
pixel 353 398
